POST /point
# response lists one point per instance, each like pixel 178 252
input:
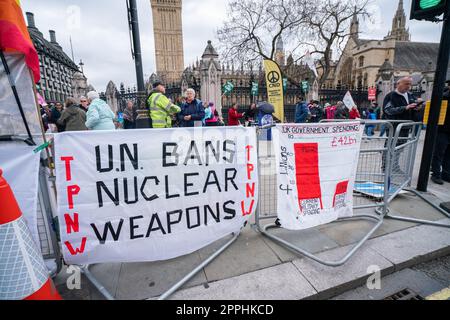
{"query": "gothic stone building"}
pixel 380 63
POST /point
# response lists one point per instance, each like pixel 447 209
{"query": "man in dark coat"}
pixel 192 111
pixel 402 105
pixel 441 158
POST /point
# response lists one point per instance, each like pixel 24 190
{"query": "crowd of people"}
pixel 314 112
pixel 92 113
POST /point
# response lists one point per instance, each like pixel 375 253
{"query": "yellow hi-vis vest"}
pixel 162 110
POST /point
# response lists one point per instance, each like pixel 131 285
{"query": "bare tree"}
pixel 254 27
pixel 329 26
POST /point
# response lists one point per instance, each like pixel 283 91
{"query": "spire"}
pixel 280 44
pixel 399 31
pixel 354 26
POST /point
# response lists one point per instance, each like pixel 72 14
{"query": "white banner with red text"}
pixel 150 195
pixel 316 169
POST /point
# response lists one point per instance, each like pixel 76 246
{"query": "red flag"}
pixel 14 36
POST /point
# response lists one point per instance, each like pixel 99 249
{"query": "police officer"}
pixel 161 108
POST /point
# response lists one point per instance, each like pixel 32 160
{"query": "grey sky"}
pixel 102 41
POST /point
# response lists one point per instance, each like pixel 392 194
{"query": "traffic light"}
pixel 427 9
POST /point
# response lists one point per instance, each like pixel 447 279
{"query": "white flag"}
pixel 348 100
pixel 310 63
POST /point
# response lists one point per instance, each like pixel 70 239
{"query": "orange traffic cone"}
pixel 23 274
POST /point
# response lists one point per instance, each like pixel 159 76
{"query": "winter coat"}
pixel 73 119
pixel 316 114
pixel 301 113
pixel 341 113
pixel 354 114
pixel 100 116
pixel 394 107
pixel 55 115
pixel 214 116
pixel 194 109
pixel 208 115
pixel 233 117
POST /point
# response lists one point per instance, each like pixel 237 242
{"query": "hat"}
pixel 156 84
pixel 211 104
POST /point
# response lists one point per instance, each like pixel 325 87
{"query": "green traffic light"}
pixel 428 4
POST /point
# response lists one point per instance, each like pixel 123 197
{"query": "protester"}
pixel 330 111
pixel 440 166
pixel 316 112
pixel 192 111
pixel 354 113
pixel 234 115
pixel 213 121
pixel 208 114
pixel 370 128
pixel 161 108
pixel 84 104
pixel 55 115
pixel 250 114
pixel 364 112
pixel 341 112
pixel 73 118
pixel 400 104
pixel 45 116
pixel 301 112
pixel 129 116
pixel 99 115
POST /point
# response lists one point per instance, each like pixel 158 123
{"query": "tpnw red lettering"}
pixel 76 251
pixel 71 192
pixel 67 160
pixel 72 225
pixel 250 190
pixel 250 169
pixel 250 210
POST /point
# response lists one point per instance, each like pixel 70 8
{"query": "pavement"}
pixel 254 267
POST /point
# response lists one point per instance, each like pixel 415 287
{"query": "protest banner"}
pixel 348 101
pixel 316 168
pixel 20 167
pixel 150 195
pixel 274 83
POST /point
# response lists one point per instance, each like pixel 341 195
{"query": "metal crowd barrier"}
pixel 404 149
pixel 374 152
pixel 47 228
pixel 386 163
pixel 85 269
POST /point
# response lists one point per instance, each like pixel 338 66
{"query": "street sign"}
pixel 372 94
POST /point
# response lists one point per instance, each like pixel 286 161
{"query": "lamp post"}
pixel 143 119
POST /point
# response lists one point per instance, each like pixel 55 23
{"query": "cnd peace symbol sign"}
pixel 273 77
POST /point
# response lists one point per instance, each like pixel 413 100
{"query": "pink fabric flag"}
pixel 41 100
